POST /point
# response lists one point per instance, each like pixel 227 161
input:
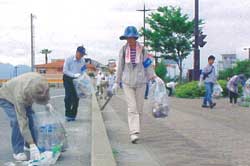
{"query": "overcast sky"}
pixel 62 25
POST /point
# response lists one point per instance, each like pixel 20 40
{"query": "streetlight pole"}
pixel 196 72
pixel 144 10
pixel 248 52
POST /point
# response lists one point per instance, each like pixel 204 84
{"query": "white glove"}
pixel 77 75
pixel 49 107
pixel 231 89
pixel 34 152
pixel 115 88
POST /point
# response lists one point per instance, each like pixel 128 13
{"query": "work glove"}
pixel 49 107
pixel 77 75
pixel 34 152
pixel 115 88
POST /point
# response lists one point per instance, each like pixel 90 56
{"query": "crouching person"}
pixel 16 99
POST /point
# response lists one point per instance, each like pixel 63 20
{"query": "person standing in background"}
pixel 171 87
pixel 111 81
pixel 71 70
pixel 208 75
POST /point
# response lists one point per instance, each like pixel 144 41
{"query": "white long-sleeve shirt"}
pixel 73 66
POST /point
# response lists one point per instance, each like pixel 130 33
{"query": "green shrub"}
pixel 192 90
pixel 189 90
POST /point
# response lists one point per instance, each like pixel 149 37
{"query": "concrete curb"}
pixel 101 151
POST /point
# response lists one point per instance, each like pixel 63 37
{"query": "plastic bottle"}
pixel 42 138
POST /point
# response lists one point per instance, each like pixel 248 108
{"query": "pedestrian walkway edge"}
pixel 101 151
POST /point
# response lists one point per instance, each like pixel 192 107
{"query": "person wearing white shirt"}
pixel 71 70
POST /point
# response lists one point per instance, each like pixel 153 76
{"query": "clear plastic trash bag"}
pixel 246 89
pixel 217 90
pixel 83 86
pixel 158 97
pixel 50 132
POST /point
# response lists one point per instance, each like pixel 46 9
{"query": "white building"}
pixel 228 60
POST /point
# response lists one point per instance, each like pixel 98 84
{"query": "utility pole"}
pixel 32 43
pixel 196 71
pixel 144 10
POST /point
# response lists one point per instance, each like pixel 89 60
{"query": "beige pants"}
pixel 135 100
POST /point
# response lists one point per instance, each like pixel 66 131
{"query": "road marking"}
pixel 58 96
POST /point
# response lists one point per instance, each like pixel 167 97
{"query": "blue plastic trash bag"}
pixel 83 86
pixel 159 98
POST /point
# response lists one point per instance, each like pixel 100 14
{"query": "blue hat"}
pixel 81 50
pixel 130 31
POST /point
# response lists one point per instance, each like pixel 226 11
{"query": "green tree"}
pixel 241 67
pixel 46 52
pixel 161 70
pixel 170 34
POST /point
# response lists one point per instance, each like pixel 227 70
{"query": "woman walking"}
pixel 134 74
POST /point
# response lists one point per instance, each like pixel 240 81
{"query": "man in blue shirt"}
pixel 71 70
pixel 208 75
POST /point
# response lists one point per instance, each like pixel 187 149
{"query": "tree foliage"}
pixel 170 34
pixel 46 52
pixel 161 71
pixel 241 67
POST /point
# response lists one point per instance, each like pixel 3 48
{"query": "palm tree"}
pixel 46 52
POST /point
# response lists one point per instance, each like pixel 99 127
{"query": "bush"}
pixel 189 90
pixel 192 90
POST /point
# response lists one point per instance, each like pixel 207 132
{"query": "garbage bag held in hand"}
pixel 159 98
pixel 217 90
pixel 83 86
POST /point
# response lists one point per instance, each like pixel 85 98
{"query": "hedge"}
pixel 192 90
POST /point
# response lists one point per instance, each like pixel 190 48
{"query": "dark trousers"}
pixel 170 91
pixel 71 99
pixel 146 91
pixel 233 97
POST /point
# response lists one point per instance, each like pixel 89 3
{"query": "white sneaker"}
pixel 26 148
pixel 20 157
pixel 134 138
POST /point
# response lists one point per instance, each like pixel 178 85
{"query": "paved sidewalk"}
pixel 79 134
pixel 190 136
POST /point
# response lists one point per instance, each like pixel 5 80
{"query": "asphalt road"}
pixel 79 133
